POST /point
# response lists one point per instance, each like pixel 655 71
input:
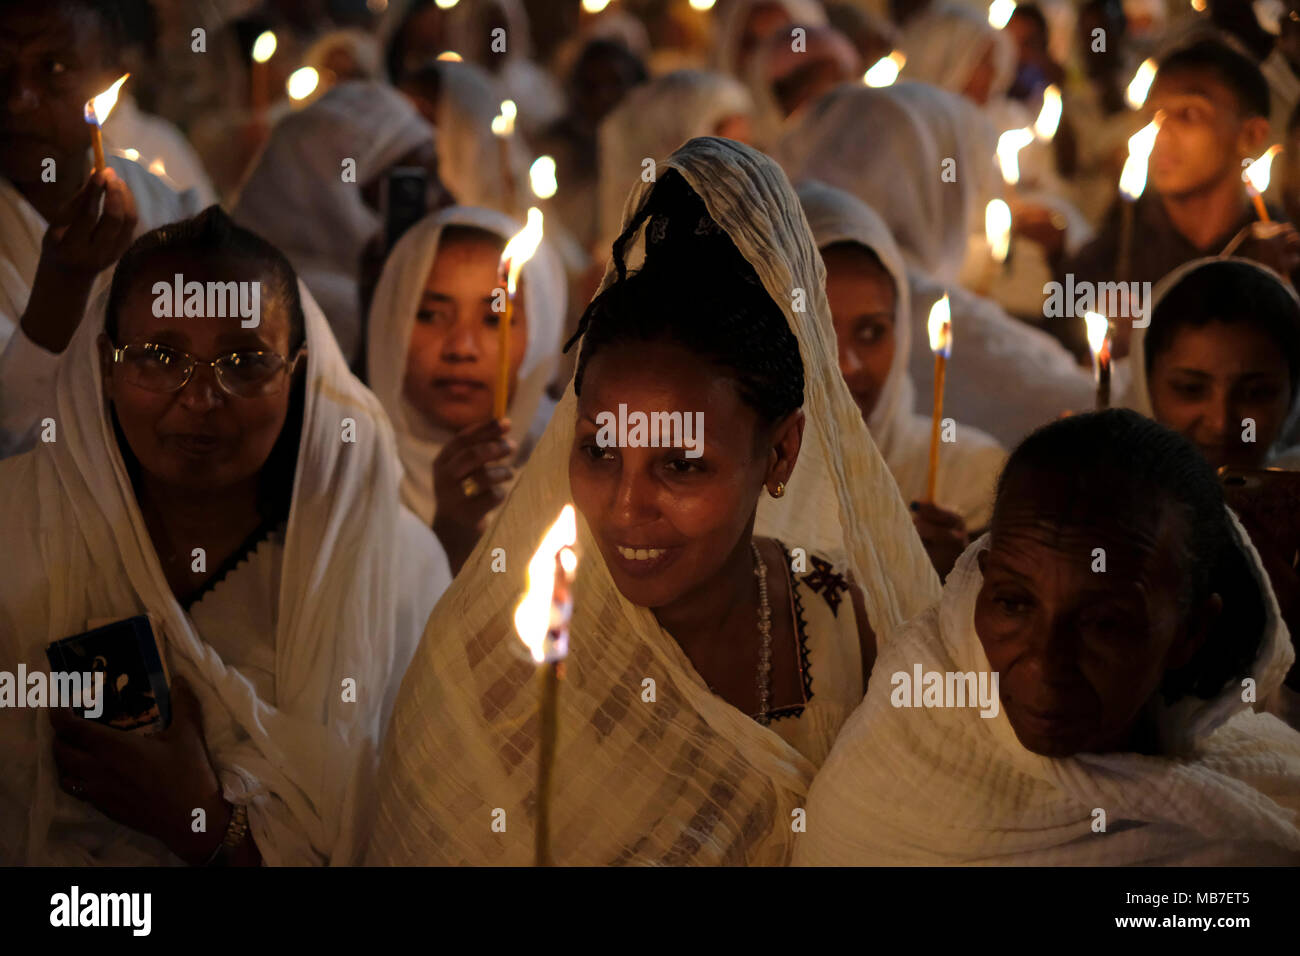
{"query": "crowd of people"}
pixel 1033 603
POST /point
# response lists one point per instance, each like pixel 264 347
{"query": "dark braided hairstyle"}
pixel 696 290
pixel 1124 465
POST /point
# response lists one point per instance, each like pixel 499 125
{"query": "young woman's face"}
pixel 862 300
pixel 685 517
pixel 1078 651
pixel 200 437
pixel 1211 380
pixel 451 365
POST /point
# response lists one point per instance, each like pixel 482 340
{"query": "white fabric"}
pixel 652 121
pixel 945 45
pixel 392 318
pixel 26 369
pixel 1131 371
pixel 968 467
pixel 689 778
pixel 77 549
pixel 296 197
pixel 731 28
pixel 159 141
pixel 886 147
pixel 361 46
pixel 943 786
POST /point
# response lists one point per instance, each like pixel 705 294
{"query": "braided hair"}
pixel 1125 465
pixel 696 290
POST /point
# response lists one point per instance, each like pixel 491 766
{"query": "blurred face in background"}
pixel 451 363
pixel 764 20
pixel 1204 134
pixel 601 78
pixel 862 300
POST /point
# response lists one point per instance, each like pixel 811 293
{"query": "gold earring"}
pixel 780 490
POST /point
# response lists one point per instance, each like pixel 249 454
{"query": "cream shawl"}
pixel 687 778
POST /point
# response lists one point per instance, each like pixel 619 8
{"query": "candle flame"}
pixel 450 56
pixel 702 4
pixel 1258 174
pixel 1098 327
pixel 997 228
pixel 1198 6
pixel 542 177
pixel 264 47
pixel 1140 85
pixel 157 167
pixel 503 124
pixel 533 615
pixel 1000 13
pixel 1049 117
pixel 594 6
pixel 940 327
pixel 521 247
pixel 302 83
pixel 130 153
pixel 1133 178
pixel 98 107
pixel 1010 144
pixel 885 70
pixel 446 4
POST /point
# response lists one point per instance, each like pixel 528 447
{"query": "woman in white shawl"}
pixel 744 24
pixel 1120 729
pixel 653 767
pixel 873 325
pixel 890 147
pixel 314 191
pixel 653 120
pixel 432 361
pixel 284 651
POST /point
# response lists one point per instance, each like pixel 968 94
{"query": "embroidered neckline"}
pixel 801 630
pixel 237 557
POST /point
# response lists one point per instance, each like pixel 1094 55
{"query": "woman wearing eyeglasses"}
pixel 239 486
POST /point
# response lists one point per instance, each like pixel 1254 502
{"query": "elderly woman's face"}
pixel 1211 380
pixel 665 523
pixel 200 437
pixel 1079 651
pixel 861 296
pixel 451 364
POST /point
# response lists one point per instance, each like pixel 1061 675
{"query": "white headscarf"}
pixel 392 317
pixel 296 197
pixel 689 779
pixel 945 44
pixel 731 27
pixel 942 786
pixel 652 121
pixel 1136 394
pixel 968 467
pixel 887 147
pixel 303 766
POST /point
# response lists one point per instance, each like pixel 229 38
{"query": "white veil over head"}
pixel 392 317
pixel 686 778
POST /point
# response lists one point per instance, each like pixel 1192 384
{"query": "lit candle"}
pixel 260 79
pixel 1000 13
pixel 97 110
pixel 450 56
pixel 702 4
pixel 885 70
pixel 1099 336
pixel 541 176
pixel 940 327
pixel 503 127
pixel 302 83
pixel 518 251
pixel 1049 117
pixel 997 229
pixel 1132 183
pixel 1010 144
pixel 542 622
pixel 1140 85
pixel 1256 177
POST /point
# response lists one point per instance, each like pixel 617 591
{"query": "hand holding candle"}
pixel 97 110
pixel 518 251
pixel 542 623
pixel 940 327
pixel 1257 177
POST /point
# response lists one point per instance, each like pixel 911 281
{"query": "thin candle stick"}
pixel 547 713
pixel 940 367
pixel 501 396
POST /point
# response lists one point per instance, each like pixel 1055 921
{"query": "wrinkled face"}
pixel 862 300
pixel 52 61
pixel 200 437
pixel 1201 138
pixel 1211 379
pixel 451 365
pixel 1078 652
pixel 685 516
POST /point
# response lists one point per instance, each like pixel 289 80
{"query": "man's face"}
pixel 52 60
pixel 1202 135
